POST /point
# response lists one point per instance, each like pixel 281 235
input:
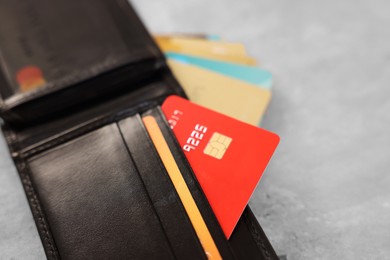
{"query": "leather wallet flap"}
pixel 55 55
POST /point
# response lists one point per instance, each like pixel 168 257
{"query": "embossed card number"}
pixel 195 137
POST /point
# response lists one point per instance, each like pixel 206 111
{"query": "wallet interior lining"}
pixel 129 145
pixel 66 179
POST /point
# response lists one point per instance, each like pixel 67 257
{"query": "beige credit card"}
pixel 218 50
pixel 227 95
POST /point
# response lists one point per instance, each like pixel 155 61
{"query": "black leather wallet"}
pixel 95 183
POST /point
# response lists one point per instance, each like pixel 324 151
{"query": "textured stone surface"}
pixel 326 193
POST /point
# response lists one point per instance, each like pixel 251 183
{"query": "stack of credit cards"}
pixel 219 75
pixel 218 129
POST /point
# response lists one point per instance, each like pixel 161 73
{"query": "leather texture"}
pixel 95 202
pixel 161 191
pixel 102 49
pixel 96 187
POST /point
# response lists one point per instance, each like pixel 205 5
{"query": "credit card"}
pixel 223 51
pixel 227 156
pixel 210 37
pixel 250 74
pixel 30 78
pixel 181 187
pixel 227 95
pixel 203 44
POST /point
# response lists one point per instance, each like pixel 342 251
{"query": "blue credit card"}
pixel 213 37
pixel 249 74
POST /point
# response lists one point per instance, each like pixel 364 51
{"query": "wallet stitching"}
pixel 31 195
pixel 257 236
pixel 36 205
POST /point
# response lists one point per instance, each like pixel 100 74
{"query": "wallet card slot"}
pixel 248 240
pixel 94 201
pixel 166 202
pixel 196 191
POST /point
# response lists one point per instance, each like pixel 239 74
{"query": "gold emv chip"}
pixel 217 145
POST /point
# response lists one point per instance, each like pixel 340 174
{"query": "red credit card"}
pixel 227 156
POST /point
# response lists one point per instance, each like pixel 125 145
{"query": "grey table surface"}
pixel 326 192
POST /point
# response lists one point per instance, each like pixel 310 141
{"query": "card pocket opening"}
pixel 190 179
pixel 166 202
